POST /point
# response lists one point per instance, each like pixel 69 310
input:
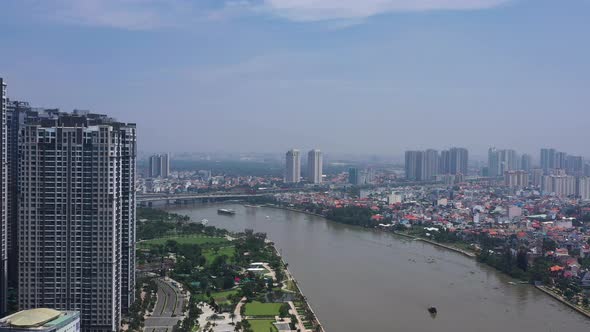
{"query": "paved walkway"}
pixel 224 324
pixel 293 311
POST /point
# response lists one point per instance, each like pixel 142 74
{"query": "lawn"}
pixel 210 253
pixel 262 309
pixel 262 325
pixel 221 297
pixel 188 239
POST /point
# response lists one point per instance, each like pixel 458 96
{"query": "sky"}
pixel 344 76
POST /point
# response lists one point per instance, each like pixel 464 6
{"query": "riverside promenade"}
pixel 289 276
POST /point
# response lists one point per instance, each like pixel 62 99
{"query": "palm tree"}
pixel 232 316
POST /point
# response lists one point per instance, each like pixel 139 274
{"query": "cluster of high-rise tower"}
pixel 314 166
pixel 68 212
pixel 426 165
pixel 159 165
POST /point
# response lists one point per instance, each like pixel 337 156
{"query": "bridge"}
pixel 148 199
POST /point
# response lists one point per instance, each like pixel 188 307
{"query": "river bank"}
pixel 563 300
pixel 345 270
pixel 466 253
pixel 298 290
pixel 438 244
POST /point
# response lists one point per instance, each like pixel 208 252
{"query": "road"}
pixel 168 308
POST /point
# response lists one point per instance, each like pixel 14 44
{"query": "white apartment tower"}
pixel 314 166
pixel 159 165
pixel 293 166
pixel 77 216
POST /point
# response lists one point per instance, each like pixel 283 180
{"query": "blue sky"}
pixel 361 76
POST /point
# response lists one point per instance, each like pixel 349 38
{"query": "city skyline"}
pixel 457 73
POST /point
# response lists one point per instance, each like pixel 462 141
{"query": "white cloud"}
pixel 318 10
pixel 124 14
pixel 151 14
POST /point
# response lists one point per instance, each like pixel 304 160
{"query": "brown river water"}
pixel 366 280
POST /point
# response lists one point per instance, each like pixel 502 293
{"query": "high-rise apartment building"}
pixel 583 188
pixel 444 164
pixel 560 185
pixel 421 165
pixel 353 176
pixel 501 161
pixel 159 165
pixel 526 162
pixel 17 112
pixel 413 164
pixel 560 160
pixel 293 166
pixel 547 160
pixel 3 202
pixel 516 179
pixel 459 159
pixel 537 177
pixel 431 166
pixel 76 219
pixel 314 166
pixel 493 163
pixel 574 165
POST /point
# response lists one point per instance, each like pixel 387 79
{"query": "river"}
pixel 366 280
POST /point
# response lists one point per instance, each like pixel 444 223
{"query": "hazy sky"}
pixel 374 76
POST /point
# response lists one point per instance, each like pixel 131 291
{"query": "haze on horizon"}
pixel 346 76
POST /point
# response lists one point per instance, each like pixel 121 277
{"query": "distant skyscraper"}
pixel 526 162
pixel 421 165
pixel 560 160
pixel 559 185
pixel 459 159
pixel 164 165
pixel 444 165
pixel 431 160
pixel 413 164
pixel 574 165
pixel 547 160
pixel 516 179
pixel 493 163
pixel 77 216
pixel 537 177
pixel 154 166
pixel 314 166
pixel 583 188
pixel 3 202
pixel 159 165
pixel 353 176
pixel 293 166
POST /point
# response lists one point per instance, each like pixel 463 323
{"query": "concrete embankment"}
pixel 564 301
pixel 290 277
pixel 434 243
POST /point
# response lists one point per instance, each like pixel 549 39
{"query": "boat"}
pixel 251 206
pixel 267 217
pixel 432 310
pixel 226 212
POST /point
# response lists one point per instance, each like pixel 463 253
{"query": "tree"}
pixel 232 316
pixel 522 260
pixel 549 245
pixel 284 310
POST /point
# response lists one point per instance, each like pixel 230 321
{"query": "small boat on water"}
pixel 267 217
pixel 229 212
pixel 251 206
pixel 432 310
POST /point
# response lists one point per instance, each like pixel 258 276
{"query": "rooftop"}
pixel 37 318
